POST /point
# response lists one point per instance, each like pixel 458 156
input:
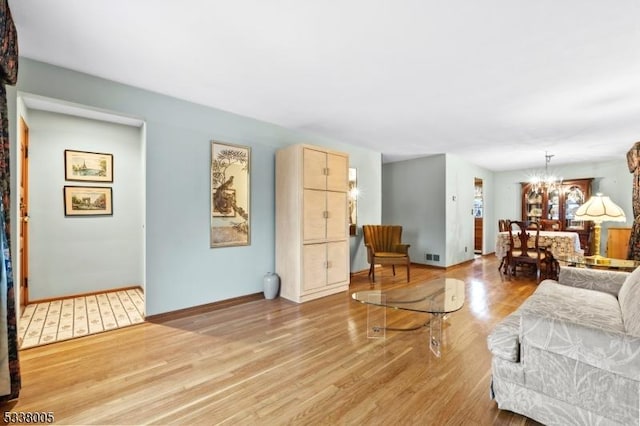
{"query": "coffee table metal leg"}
pixel 435 334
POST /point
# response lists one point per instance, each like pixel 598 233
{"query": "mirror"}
pixel 353 201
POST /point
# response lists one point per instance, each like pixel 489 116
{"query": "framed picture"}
pixel 87 201
pixel 230 195
pixel 88 166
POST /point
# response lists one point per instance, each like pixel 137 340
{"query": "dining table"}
pixel 559 243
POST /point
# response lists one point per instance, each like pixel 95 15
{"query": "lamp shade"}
pixel 600 209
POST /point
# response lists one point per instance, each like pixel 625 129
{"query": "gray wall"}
pixel 432 198
pixel 180 269
pixel 413 194
pixel 72 255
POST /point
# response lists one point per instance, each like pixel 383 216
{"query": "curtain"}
pixel 9 365
pixel 633 161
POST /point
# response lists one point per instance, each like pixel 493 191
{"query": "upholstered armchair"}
pixel 384 247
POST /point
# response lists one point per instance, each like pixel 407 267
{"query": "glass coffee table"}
pixel 598 262
pixel 437 297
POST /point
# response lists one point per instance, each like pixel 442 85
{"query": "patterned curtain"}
pixel 633 161
pixel 9 364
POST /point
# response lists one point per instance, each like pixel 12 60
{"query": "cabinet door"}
pixel 553 204
pixel 532 204
pixel 338 173
pixel 315 165
pixel 314 205
pixel 337 215
pixel 315 266
pixel 574 197
pixel 337 268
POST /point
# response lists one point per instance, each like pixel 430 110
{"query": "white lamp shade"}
pixel 600 209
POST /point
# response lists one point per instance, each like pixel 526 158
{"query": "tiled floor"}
pixel 49 322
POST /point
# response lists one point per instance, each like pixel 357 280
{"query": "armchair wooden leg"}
pixel 393 268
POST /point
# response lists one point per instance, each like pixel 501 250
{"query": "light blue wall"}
pixel 74 255
pixel 612 178
pixel 181 270
pixel 369 166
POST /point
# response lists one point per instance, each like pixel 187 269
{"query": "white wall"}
pixel 460 222
pixel 72 255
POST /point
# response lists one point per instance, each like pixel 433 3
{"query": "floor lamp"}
pixel 599 209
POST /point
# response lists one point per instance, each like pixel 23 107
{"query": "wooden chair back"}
pixel 384 247
pixel 524 246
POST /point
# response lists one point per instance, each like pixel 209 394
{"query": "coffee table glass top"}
pixel 438 296
pixel 598 262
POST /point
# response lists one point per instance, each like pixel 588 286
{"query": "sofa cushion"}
pixel 629 298
pixel 589 307
pixel 504 341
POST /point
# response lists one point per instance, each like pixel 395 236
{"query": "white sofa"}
pixel 570 354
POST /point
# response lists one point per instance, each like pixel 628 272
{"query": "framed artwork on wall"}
pixel 88 166
pixel 230 195
pixel 87 201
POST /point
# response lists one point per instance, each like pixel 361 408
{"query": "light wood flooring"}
pixel 270 362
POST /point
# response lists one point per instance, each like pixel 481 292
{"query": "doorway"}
pixel 478 215
pixel 62 256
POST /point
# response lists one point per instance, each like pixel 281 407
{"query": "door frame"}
pixel 23 187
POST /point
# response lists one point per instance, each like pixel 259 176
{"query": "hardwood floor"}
pixel 277 362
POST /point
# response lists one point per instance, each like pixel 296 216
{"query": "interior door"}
pixel 478 215
pixel 24 213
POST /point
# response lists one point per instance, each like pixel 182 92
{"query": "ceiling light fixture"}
pixel 545 181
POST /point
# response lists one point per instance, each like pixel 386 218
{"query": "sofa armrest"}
pixel 593 279
pixel 608 350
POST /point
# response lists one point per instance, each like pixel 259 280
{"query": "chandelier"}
pixel 544 181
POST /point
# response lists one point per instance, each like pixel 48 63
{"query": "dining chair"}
pixel 503 226
pixel 524 248
pixel 384 247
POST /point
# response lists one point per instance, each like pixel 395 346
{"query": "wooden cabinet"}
pixel 312 230
pixel 555 207
pixel 618 242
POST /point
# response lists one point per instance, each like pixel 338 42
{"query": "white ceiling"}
pixel 497 82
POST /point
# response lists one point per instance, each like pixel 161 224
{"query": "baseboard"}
pixel 90 293
pixel 200 309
